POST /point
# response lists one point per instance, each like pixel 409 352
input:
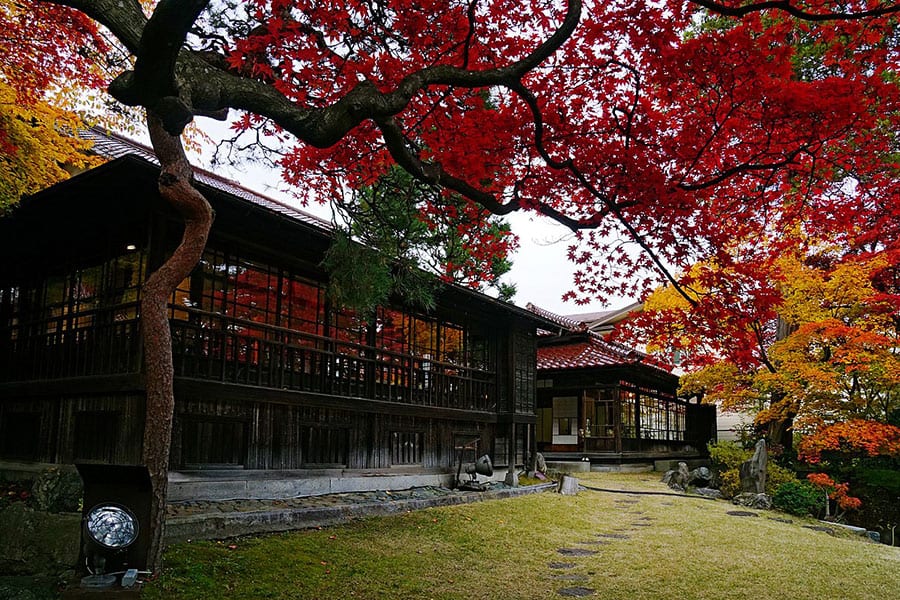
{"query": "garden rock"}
pixel 568 486
pixel 708 492
pixel 753 471
pixel 57 490
pixel 751 500
pixel 37 542
pixel 677 479
pixel 700 477
pixel 540 465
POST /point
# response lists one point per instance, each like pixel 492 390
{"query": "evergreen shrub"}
pixel 799 498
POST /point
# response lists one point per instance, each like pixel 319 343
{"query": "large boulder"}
pixel 753 500
pixel 677 479
pixel 37 542
pixel 700 477
pixel 753 471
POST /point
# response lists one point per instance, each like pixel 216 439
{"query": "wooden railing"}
pixel 208 346
pixel 104 347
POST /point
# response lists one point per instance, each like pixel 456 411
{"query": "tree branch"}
pixel 207 88
pixel 788 7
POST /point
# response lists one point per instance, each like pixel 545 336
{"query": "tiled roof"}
pixel 588 353
pixel 591 316
pixel 112 146
pixel 588 349
pixel 564 322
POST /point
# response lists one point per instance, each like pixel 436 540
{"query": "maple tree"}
pixel 853 437
pixel 681 129
pixel 820 350
pixel 35 144
pixel 37 63
pixel 839 492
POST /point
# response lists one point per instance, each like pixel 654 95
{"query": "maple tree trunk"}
pixel 176 188
pixel 781 432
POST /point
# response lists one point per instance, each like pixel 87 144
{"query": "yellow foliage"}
pixel 37 146
pixel 842 293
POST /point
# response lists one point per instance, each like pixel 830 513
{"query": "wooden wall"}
pixel 211 433
pixel 103 428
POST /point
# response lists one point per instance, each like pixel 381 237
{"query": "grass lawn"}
pixel 645 547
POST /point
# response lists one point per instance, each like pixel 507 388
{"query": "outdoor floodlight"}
pixel 115 524
pixel 111 526
pixel 108 530
pixel 481 466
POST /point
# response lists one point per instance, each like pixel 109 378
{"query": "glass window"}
pixel 452 347
pixel 302 307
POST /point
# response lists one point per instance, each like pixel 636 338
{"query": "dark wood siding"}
pixel 67 429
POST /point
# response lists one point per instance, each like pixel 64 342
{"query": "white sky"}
pixel 541 271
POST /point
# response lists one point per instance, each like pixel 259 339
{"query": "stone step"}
pixel 623 468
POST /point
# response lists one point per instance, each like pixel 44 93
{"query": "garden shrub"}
pixel 726 455
pixel 884 479
pixel 776 476
pixel 726 458
pixel 799 498
pixel 730 483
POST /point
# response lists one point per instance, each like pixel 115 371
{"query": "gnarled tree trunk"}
pixel 176 188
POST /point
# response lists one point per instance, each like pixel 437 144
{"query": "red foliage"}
pixel 664 136
pixel 839 492
pixel 868 438
pixel 45 45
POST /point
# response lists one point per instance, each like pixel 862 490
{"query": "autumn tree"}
pixel 40 72
pixel 821 352
pixel 662 137
pixel 36 146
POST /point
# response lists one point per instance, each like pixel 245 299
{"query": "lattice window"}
pixel 407 447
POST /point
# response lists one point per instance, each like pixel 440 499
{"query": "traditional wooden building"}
pixel 277 391
pixel 601 402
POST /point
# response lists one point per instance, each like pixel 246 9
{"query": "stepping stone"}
pixel 561 565
pixel 642 524
pixel 576 591
pixel 646 519
pixel 576 552
pixel 572 577
pixel 615 536
pixel 741 513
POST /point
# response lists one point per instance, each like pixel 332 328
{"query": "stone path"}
pixel 208 519
pixel 211 507
pixel 615 535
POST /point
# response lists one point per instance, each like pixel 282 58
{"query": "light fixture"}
pixel 131 247
pixel 112 526
pixel 481 466
pixel 109 529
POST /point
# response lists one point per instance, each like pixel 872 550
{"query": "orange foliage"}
pixel 868 438
pixel 839 492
